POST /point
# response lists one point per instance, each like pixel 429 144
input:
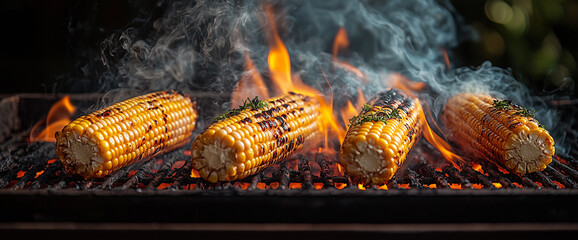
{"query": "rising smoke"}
pixel 200 46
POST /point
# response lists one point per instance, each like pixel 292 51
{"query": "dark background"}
pixel 48 45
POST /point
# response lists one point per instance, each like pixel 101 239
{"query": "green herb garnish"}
pixel 381 115
pixel 519 110
pixel 508 105
pixel 503 104
pixel 253 104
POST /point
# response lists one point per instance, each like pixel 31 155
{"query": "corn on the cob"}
pixel 255 137
pixel 380 138
pixel 113 137
pixel 498 131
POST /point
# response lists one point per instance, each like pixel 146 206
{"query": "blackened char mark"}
pixel 246 120
pixel 104 114
pixel 391 98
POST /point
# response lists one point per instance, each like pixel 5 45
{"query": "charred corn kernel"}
pixel 125 132
pixel 504 135
pixel 241 145
pixel 379 139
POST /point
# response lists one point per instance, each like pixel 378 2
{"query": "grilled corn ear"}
pixel 380 138
pixel 251 139
pixel 499 131
pixel 113 137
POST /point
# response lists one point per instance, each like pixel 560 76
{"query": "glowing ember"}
pixel 360 187
pixel 455 186
pixel 503 170
pixel 318 185
pixel 187 153
pixel 295 185
pixel 20 174
pixel 340 185
pixel 274 185
pixel 559 184
pixel 163 186
pixel 404 186
pixel 244 186
pixel 178 164
pixel 497 185
pixel 261 185
pixel 477 186
pixel 518 185
pixel 433 185
pixel 195 174
pixel 39 173
pixel 58 117
pixel 477 167
pixel 382 187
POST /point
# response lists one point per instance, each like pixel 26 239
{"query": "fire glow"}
pixel 280 79
pixel 57 118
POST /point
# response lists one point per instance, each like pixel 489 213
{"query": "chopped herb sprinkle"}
pixel 252 104
pixel 382 115
pixel 508 105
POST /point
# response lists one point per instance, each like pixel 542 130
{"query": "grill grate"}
pixel 25 165
pixel 33 166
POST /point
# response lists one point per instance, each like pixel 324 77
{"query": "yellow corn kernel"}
pixel 241 145
pixel 502 135
pixel 373 150
pixel 126 132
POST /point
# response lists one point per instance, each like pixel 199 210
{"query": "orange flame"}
pixel 58 117
pixel 280 68
pixel 409 87
pixel 440 144
pixel 250 85
pixel 412 88
pixel 446 58
pixel 348 111
pixel 341 43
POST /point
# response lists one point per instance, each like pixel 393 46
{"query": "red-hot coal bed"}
pixel 283 119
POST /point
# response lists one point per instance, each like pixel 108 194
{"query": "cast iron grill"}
pixel 34 166
pixel 308 187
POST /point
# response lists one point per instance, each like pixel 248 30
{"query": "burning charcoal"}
pixel 325 173
pixel 258 134
pixel 285 177
pixel 413 178
pixel 254 181
pixel 380 137
pixel 126 132
pixel 454 174
pixel 439 178
pixel 498 131
pixel 161 173
pixel 478 176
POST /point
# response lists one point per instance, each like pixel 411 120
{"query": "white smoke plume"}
pixel 200 46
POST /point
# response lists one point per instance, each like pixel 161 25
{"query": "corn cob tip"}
pixel 80 157
pixel 529 152
pixel 380 138
pixel 246 141
pixel 108 139
pixel 498 131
